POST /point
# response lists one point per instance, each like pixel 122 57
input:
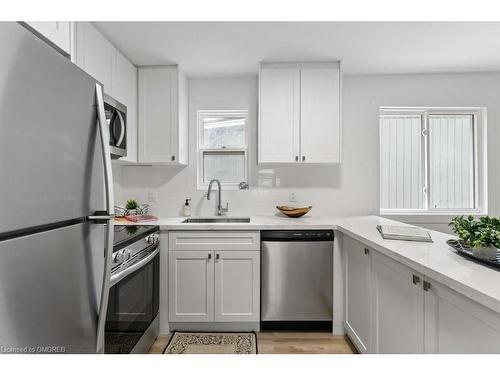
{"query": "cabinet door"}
pixel 125 91
pixel 456 324
pixel 57 32
pixel 237 286
pixel 158 114
pixel 191 286
pixel 95 54
pixel 398 305
pixel 320 115
pixel 279 115
pixel 358 284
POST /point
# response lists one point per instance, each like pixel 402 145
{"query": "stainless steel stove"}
pixel 132 323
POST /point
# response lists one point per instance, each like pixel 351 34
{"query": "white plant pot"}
pixel 489 253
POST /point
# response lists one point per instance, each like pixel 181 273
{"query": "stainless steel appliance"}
pixel 297 280
pixel 132 323
pixel 116 116
pixel 56 232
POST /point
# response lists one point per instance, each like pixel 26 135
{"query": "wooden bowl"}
pixel 294 211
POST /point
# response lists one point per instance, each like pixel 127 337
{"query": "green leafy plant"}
pixel 132 204
pixel 482 232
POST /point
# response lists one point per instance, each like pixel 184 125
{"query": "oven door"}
pixel 133 304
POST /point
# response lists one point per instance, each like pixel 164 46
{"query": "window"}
pixel 222 147
pixel 430 160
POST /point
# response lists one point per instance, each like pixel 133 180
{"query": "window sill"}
pixel 427 217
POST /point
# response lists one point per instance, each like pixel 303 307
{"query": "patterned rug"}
pixel 212 343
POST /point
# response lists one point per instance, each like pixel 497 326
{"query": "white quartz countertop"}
pixel 435 260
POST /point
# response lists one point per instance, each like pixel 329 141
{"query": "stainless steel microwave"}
pixel 116 116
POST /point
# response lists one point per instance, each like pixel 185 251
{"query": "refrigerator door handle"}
pixel 108 182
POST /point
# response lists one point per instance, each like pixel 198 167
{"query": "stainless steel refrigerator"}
pixel 56 197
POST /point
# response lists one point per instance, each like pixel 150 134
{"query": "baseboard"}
pixel 214 326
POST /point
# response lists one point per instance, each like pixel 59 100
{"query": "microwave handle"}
pixel 107 218
pixel 122 129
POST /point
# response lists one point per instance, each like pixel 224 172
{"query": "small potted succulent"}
pixel 481 235
pixel 132 207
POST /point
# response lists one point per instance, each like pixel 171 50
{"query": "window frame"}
pixel 202 113
pixel 479 159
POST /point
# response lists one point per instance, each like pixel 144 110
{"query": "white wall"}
pixel 351 188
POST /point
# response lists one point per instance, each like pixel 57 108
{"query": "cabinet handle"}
pixel 296 158
pixel 416 279
pixel 217 256
pixel 367 251
pixel 209 256
pixel 303 158
pixel 426 285
pixel 173 157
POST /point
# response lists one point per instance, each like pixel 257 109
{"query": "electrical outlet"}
pixel 292 197
pixel 151 196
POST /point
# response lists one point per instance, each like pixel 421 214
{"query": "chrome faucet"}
pixel 220 210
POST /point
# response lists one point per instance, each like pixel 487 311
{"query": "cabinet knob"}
pixel 367 251
pixel 426 285
pixel 209 256
pixel 296 158
pixel 416 279
pixel 217 256
pixel 303 158
pixel 173 157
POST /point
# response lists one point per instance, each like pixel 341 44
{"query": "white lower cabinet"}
pixel 207 285
pixel 456 324
pixel 191 286
pixel 358 297
pixel 398 308
pixel 237 284
pixel 390 308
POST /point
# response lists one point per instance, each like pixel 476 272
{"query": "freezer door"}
pixel 297 282
pixel 50 157
pixel 50 285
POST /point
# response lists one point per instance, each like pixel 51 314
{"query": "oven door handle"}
pixel 134 267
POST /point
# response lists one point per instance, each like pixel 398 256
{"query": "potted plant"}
pixel 131 207
pixel 482 235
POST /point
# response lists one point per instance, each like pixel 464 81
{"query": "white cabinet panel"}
pixel 57 32
pixel 191 286
pixel 279 115
pixel 162 115
pixel 398 305
pixel 95 54
pixel 237 286
pixel 358 311
pixel 125 91
pixel 219 240
pixel 456 324
pixel 320 115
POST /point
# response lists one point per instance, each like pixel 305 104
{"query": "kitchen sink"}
pixel 199 220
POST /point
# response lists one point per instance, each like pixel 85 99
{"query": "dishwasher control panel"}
pixel 297 235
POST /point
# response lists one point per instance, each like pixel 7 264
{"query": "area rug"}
pixel 212 343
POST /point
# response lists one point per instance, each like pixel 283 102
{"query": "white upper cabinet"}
pixel 56 32
pixel 95 54
pixel 279 139
pixel 300 113
pixel 125 91
pixel 320 115
pixel 163 103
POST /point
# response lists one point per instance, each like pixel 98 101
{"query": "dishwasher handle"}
pixel 296 235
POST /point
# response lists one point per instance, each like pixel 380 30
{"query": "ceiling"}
pixel 214 49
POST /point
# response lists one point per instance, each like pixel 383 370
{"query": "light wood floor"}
pixel 287 343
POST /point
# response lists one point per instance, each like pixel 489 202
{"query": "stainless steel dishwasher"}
pixel 297 280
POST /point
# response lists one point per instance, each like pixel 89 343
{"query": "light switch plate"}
pixel 292 197
pixel 151 196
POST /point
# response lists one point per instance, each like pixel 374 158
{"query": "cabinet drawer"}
pixel 214 240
